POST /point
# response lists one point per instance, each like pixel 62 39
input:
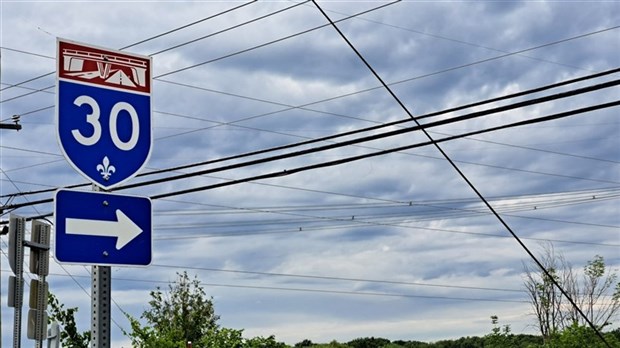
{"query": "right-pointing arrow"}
pixel 123 228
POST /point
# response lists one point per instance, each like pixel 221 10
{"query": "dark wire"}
pixel 469 183
pixel 188 25
pixel 398 122
pixel 384 152
pixel 230 28
pixel 361 139
pixel 272 42
pixel 350 159
pixel 377 136
pixel 134 44
pixel 191 67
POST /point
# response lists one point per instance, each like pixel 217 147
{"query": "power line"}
pixel 200 64
pixel 358 293
pixel 340 161
pixel 366 138
pixel 437 36
pixel 439 213
pixel 422 76
pixel 123 48
pixel 188 25
pixel 539 150
pixel 394 123
pixel 230 28
pixel 503 108
pixel 348 279
pixel 270 42
pixel 469 183
pixel 384 152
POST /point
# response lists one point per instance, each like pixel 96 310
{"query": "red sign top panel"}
pixel 106 68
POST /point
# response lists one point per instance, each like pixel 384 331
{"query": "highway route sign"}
pixel 103 111
pixel 103 229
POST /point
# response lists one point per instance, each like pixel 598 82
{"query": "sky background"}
pixel 396 245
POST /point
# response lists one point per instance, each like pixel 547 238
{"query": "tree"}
pixel 597 294
pixel 578 336
pixel 183 313
pixel 368 342
pixel 500 337
pixel 69 336
pixel 223 338
pixel 304 343
pixel 546 300
pixel 597 283
pixel 332 344
pixel 264 342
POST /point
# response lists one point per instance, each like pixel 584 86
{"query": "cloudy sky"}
pixel 396 245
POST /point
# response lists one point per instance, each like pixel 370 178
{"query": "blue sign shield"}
pixel 97 228
pixel 104 133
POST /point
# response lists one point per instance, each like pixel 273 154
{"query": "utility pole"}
pixel 15 125
pixel 17 227
pixel 39 264
pixel 5 229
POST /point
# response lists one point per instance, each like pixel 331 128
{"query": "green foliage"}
pixel 411 344
pixel 368 342
pixel 597 294
pixel 304 343
pixel 69 336
pixel 223 338
pixel 595 268
pixel 332 344
pixel 145 337
pixel 579 336
pixel 500 337
pixel 183 313
pixel 262 342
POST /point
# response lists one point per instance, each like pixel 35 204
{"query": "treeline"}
pixel 463 342
pixel 185 314
pixel 578 338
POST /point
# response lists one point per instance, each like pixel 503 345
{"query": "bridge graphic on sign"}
pixel 105 68
pixel 111 69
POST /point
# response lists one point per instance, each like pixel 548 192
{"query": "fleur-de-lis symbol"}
pixel 105 168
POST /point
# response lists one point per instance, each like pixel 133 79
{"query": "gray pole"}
pixel 101 296
pixel 17 226
pixel 3 231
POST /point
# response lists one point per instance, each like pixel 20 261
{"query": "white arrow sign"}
pixel 123 229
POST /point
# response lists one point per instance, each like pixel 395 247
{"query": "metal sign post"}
pixel 39 264
pixel 100 295
pixel 100 305
pixel 17 227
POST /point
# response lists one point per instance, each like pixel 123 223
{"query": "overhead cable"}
pixel 229 28
pixel 435 143
pixel 287 172
pixel 385 134
pixel 357 140
pixel 188 25
pixel 134 44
